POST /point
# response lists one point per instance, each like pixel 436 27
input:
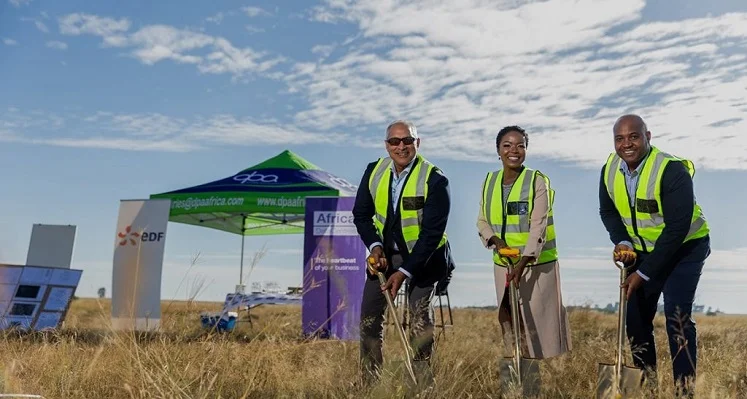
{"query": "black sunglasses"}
pixel 394 141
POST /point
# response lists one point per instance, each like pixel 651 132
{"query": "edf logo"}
pixel 150 236
pixel 131 237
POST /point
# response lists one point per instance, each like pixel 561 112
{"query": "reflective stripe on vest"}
pixel 415 190
pixel 644 220
pixel 512 222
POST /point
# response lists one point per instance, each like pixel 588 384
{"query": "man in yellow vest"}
pixel 647 205
pixel 401 211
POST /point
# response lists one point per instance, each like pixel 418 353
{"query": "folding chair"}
pixel 436 300
pixel 442 323
pixel 442 290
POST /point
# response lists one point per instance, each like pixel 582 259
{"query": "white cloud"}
pixel 9 42
pixel 150 131
pixel 57 45
pixel 556 67
pixel 6 134
pixel 113 143
pixel 563 69
pixel 253 29
pixel 225 58
pixel 41 26
pixel 254 11
pixel 79 24
pixel 152 44
pixel 220 16
pixel 148 125
pixel 216 19
pixel 326 14
pixel 228 129
pixel 159 42
pixel 324 50
pixel 19 3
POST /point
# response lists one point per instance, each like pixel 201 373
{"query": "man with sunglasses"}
pixel 401 211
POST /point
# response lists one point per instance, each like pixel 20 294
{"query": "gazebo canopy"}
pixel 267 198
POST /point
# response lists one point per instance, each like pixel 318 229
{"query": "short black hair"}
pixel 508 129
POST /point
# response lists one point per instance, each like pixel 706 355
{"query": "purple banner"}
pixel 334 260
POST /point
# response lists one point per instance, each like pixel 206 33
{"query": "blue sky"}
pixel 108 101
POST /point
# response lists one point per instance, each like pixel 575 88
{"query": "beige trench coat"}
pixel 543 316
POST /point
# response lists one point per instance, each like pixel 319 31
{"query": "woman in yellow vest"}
pixel 516 211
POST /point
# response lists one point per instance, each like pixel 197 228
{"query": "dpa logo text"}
pixel 255 177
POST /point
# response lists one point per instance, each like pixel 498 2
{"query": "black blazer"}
pixel 427 264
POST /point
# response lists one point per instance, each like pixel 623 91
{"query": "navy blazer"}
pixel 677 199
pixel 427 263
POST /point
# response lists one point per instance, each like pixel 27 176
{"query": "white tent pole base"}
pixel 240 287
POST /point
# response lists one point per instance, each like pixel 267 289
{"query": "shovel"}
pixel 516 370
pixel 618 380
pixel 397 324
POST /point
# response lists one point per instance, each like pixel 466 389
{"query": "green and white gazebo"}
pixel 265 199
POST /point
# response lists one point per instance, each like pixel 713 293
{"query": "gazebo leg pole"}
pixel 240 288
pixel 241 275
pixel 241 263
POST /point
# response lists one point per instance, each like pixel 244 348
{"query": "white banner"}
pixel 51 246
pixel 139 245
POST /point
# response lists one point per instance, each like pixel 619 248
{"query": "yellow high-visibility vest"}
pixel 411 200
pixel 512 221
pixel 644 219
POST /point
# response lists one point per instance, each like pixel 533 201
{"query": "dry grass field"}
pixel 267 359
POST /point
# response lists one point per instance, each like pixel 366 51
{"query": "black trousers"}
pixel 678 285
pixel 373 308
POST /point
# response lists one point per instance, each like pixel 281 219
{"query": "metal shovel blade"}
pixel 630 382
pixel 530 375
pixel 398 325
pixel 626 383
pixel 517 371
